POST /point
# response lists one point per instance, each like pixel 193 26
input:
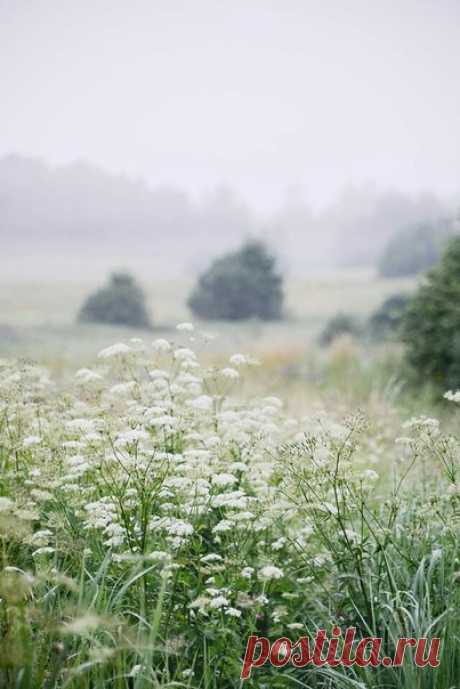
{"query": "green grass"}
pixel 38 320
pixel 117 601
pixel 313 299
pixel 126 535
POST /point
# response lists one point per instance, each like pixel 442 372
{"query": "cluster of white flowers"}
pixel 147 448
pixel 157 458
pixel 453 396
pixel 270 572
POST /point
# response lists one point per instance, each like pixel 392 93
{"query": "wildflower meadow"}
pixel 154 515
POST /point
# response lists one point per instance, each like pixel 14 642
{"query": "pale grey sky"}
pixel 257 94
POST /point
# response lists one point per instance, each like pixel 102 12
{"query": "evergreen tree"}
pixel 240 285
pixel 431 325
pixel 121 302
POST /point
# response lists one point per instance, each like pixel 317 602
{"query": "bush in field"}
pixel 414 249
pixel 386 320
pixel 340 324
pixel 240 285
pixel 431 325
pixel 121 302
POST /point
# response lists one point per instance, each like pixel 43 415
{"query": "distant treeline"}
pixel 79 209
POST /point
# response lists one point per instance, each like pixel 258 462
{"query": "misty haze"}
pixel 159 134
pixel 229 344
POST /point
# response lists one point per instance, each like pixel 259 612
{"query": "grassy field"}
pixel 316 298
pixel 38 319
pixel 169 500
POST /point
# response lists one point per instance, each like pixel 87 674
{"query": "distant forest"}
pixel 80 213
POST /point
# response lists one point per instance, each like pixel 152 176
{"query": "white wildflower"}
pixel 31 440
pixel 135 670
pixel 130 437
pixel 213 591
pixel 73 445
pixel 232 612
pixel 369 475
pixel 158 556
pixel 80 425
pixel 403 440
pixel 270 572
pixel 279 544
pixel 201 603
pixel 41 495
pixel 202 403
pixel 163 421
pixel 161 345
pixel 158 374
pixel 218 602
pixel 47 550
pixel 118 349
pixel 41 538
pixel 85 375
pixel 122 389
pixel 174 527
pixel 230 373
pixel 238 466
pixel 212 557
pixel 452 396
pixel 423 423
pixel 224 480
pixel 238 359
pixel 184 354
pixel 222 526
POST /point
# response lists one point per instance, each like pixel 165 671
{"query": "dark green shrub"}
pixel 431 324
pixel 239 285
pixel 340 324
pixel 414 249
pixel 121 302
pixel 386 320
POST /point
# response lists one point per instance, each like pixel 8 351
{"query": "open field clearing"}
pixel 38 319
pixel 316 298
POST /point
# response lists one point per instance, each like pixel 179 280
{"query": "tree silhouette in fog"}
pixel 120 302
pixel 431 324
pixel 239 285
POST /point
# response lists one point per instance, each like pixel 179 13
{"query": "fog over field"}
pixel 77 222
pixel 157 134
pixel 229 344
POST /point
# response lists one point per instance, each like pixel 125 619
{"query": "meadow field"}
pixel 229 344
pixel 166 494
pixel 38 319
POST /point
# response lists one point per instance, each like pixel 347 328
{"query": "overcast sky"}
pixel 258 94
